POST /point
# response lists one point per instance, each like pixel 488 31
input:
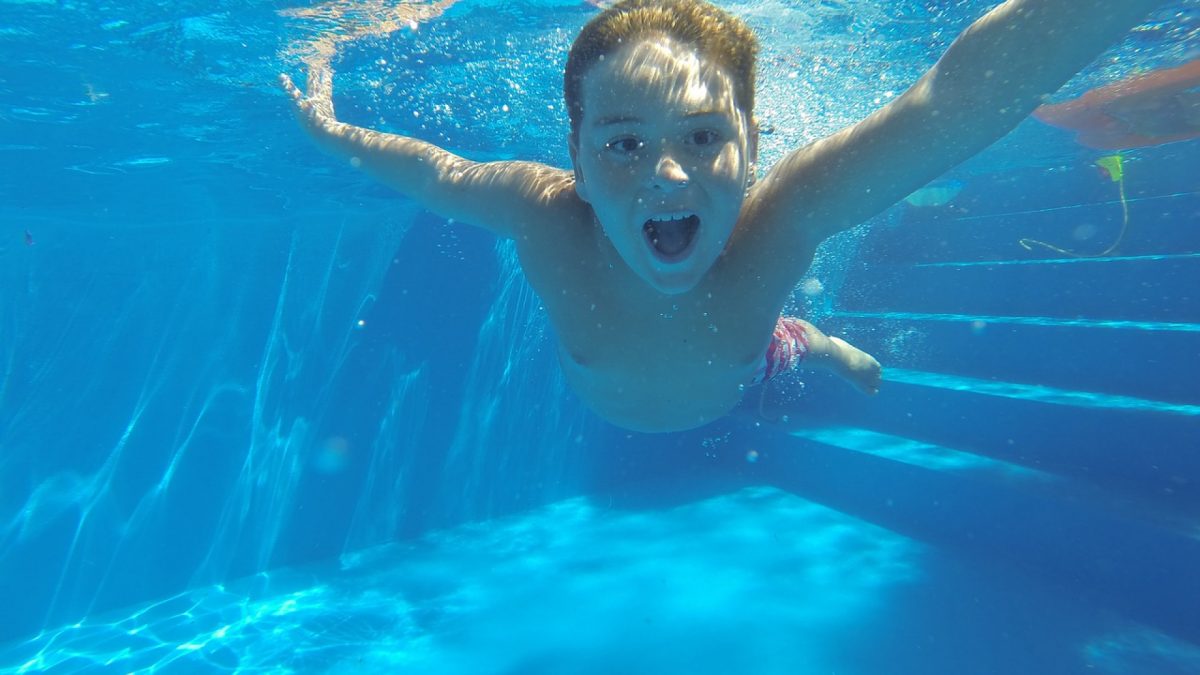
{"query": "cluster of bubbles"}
pixel 444 73
pixel 824 66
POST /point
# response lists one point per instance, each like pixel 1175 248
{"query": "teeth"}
pixel 667 217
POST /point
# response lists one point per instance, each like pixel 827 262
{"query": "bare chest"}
pixel 651 362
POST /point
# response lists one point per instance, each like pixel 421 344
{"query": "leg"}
pixel 797 340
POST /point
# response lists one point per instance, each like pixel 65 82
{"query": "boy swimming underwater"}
pixel 662 263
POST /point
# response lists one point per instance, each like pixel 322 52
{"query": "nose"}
pixel 669 175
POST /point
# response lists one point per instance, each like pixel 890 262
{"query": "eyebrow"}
pixel 630 119
pixel 616 119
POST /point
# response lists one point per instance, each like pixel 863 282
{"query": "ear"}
pixel 580 185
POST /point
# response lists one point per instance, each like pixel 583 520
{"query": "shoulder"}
pixel 511 198
pixel 549 212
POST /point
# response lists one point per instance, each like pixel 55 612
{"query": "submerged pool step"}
pixel 998 472
pixel 1140 448
pixel 1040 393
pixel 1002 513
pixel 1138 288
pixel 1152 360
pixel 925 455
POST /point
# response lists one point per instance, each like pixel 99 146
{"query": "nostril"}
pixel 670 179
pixel 668 170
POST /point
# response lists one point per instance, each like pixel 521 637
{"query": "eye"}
pixel 625 145
pixel 703 137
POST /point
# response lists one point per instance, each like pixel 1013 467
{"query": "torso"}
pixel 644 360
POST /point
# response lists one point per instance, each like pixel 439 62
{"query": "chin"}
pixel 674 282
pixel 678 289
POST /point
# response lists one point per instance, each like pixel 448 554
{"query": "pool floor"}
pixel 754 581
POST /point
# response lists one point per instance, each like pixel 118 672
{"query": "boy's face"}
pixel 663 156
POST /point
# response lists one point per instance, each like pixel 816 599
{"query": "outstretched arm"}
pixel 990 79
pixel 504 197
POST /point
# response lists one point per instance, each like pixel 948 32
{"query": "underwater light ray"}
pixel 239 505
pixel 380 507
pixel 161 374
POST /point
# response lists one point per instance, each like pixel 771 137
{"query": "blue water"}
pixel 258 413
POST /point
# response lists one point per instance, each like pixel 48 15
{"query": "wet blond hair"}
pixel 712 31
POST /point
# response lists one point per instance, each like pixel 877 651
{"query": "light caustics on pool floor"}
pixel 500 594
pixel 714 587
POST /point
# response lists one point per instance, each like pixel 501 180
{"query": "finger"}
pixel 290 88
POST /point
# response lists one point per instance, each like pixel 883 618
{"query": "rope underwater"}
pixel 1112 167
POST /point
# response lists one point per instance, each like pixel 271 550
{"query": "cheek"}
pixel 595 180
pixel 729 164
pixel 615 180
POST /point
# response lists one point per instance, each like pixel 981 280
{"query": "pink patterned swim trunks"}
pixel 789 346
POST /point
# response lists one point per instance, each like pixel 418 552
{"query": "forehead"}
pixel 657 70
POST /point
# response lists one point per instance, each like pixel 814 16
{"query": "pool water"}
pixel 259 413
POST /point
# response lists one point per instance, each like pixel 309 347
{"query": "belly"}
pixel 660 396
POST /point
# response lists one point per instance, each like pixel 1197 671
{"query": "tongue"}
pixel 673 236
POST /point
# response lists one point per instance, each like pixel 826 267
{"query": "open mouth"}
pixel 671 235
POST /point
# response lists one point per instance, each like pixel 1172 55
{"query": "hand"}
pixel 314 110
